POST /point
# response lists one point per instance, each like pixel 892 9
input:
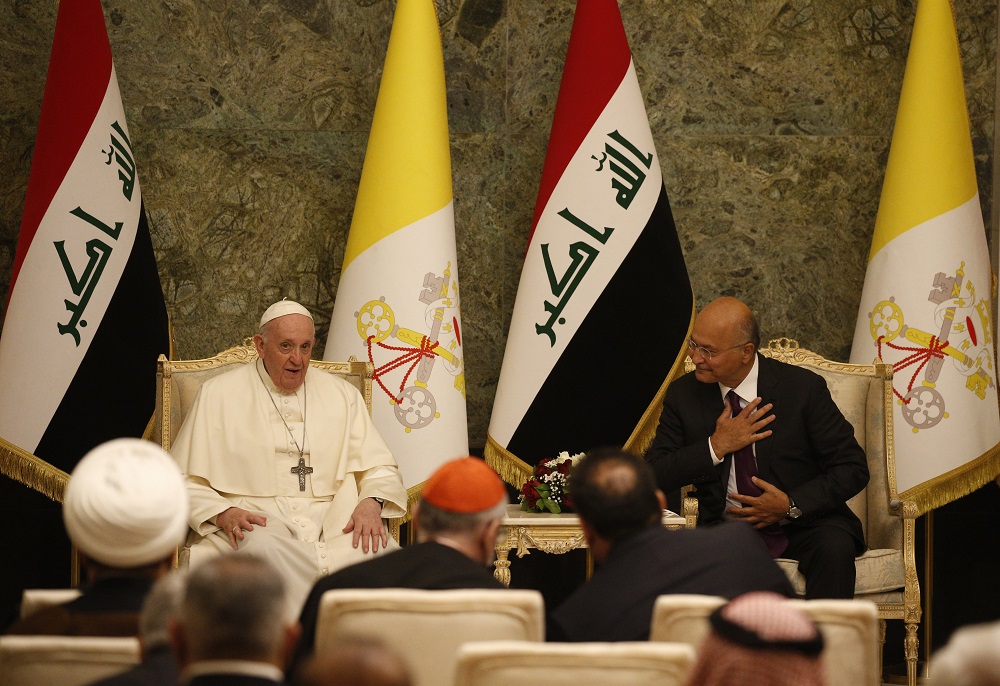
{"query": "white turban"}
pixel 280 309
pixel 126 504
pixel 971 658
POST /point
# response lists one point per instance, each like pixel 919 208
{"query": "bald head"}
pixel 615 493
pixel 725 339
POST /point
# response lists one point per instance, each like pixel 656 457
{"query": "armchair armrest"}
pixel 690 511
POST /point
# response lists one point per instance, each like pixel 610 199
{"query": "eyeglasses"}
pixel 709 354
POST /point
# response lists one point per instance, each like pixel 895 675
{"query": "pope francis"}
pixel 287 465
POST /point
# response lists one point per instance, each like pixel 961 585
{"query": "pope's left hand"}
pixel 366 523
pixel 768 508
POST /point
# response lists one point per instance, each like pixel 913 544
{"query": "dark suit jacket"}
pixel 427 565
pixel 156 669
pixel 617 603
pixel 811 455
pixel 109 608
pixel 232 680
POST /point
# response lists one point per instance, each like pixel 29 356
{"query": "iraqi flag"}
pixel 926 307
pixel 397 303
pixel 604 305
pixel 85 319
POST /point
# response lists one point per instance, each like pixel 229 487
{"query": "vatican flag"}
pixel 397 303
pixel 926 307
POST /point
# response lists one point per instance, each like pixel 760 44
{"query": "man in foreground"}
pixel 285 464
pixel 763 442
pixel 234 626
pixel 456 521
pixel 125 511
pixel 638 560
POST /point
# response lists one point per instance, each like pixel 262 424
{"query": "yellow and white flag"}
pixel 397 303
pixel 926 307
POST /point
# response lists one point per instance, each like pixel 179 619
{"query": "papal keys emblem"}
pixel 415 355
pixel 963 334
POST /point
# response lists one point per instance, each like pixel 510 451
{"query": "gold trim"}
pixel 511 468
pixel 31 471
pixel 957 483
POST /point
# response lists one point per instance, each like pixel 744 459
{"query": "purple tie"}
pixel 745 465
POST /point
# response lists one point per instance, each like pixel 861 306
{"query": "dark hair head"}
pixel 615 493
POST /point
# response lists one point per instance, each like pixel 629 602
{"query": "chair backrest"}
pixel 502 663
pixel 178 381
pixel 849 627
pixel 64 660
pixel 428 627
pixel 35 599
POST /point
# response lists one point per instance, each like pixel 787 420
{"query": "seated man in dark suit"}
pixel 763 442
pixel 124 511
pixel 637 559
pixel 457 519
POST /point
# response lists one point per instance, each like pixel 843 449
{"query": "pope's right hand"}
pixel 235 521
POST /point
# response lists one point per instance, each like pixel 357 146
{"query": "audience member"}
pixel 970 658
pixel 763 442
pixel 234 625
pixel 620 512
pixel 358 662
pixel 760 639
pixel 456 521
pixel 125 511
pixel 158 667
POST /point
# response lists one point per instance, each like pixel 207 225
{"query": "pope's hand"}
pixel 366 523
pixel 235 521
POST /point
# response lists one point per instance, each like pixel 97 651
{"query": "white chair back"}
pixel 501 663
pixel 64 660
pixel 426 627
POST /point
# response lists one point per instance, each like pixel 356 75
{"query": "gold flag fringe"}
pixel 959 482
pixel 33 472
pixel 511 468
pixel 645 430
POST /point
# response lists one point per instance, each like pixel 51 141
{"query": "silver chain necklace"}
pixel 302 470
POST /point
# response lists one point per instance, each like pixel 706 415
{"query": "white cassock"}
pixel 235 450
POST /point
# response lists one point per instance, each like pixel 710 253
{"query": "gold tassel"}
pixel 511 469
pixel 33 472
pixel 959 482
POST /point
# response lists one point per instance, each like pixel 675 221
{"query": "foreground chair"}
pixel 35 599
pixel 501 663
pixel 849 628
pixel 178 382
pixel 427 628
pixel 64 660
pixel 887 572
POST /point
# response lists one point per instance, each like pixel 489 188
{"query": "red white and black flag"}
pixel 604 304
pixel 86 318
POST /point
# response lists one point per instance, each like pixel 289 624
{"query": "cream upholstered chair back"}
pixel 64 660
pixel 35 599
pixel 426 627
pixel 887 572
pixel 502 663
pixel 849 627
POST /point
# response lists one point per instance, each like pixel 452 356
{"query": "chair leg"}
pixel 910 648
pixel 881 650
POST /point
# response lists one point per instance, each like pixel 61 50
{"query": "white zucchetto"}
pixel 126 504
pixel 280 309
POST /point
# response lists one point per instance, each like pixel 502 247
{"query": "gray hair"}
pixel 434 520
pixel 234 608
pixel 161 605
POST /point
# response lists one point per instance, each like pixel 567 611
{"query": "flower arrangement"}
pixel 546 490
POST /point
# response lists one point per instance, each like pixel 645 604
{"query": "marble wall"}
pixel 772 120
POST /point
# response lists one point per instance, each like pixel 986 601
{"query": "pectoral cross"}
pixel 302 470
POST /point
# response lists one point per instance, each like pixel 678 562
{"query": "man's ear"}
pixel 662 499
pixel 178 643
pixel 289 642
